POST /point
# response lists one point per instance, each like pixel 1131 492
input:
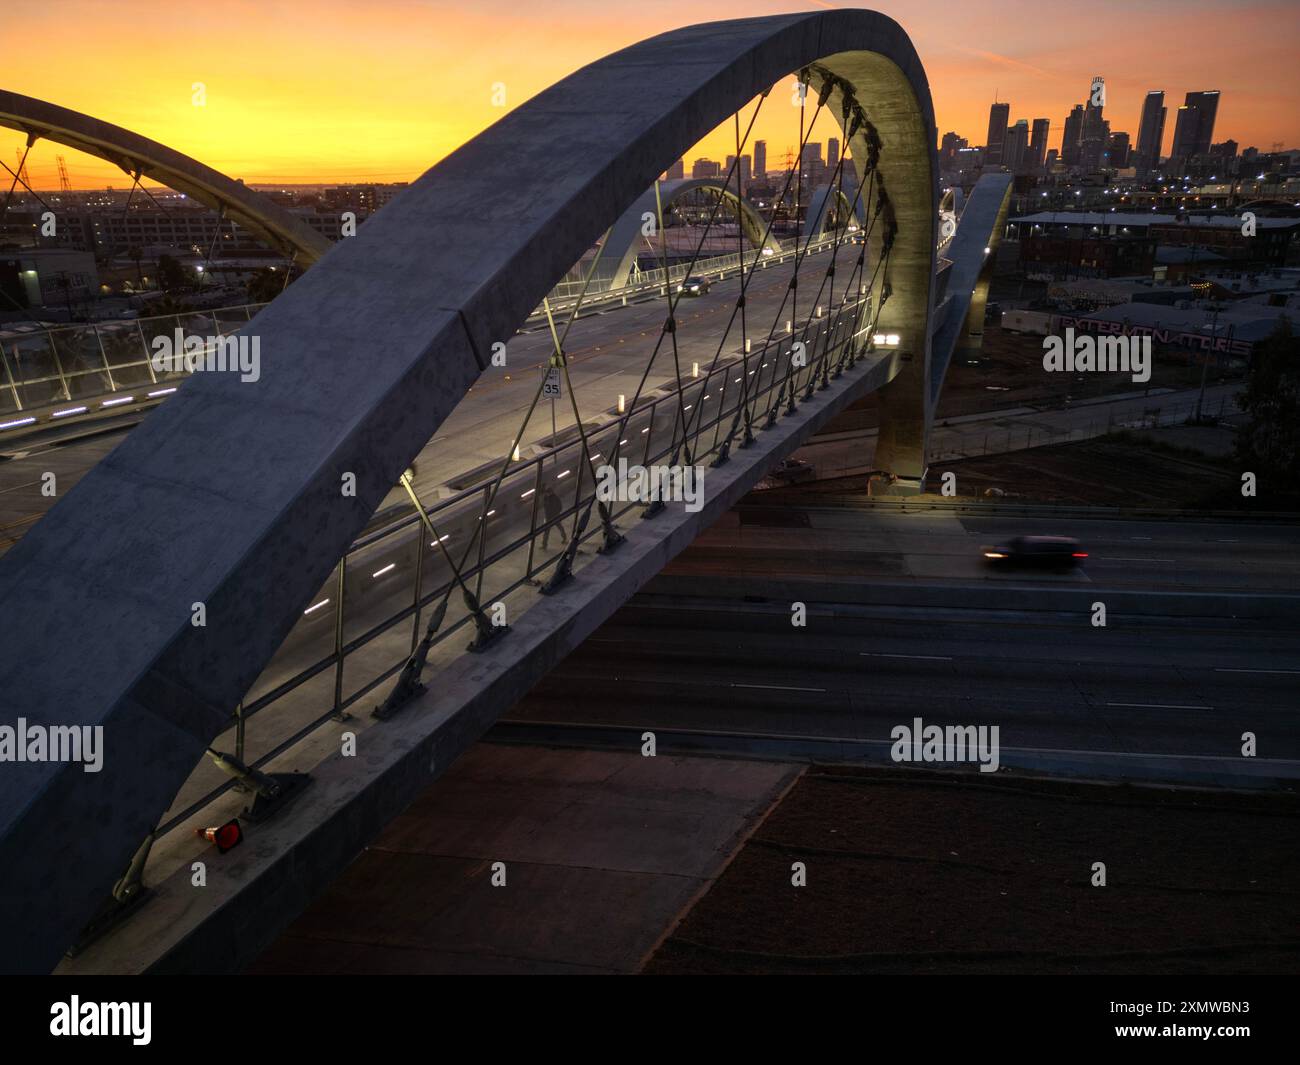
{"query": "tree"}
pixel 135 255
pixel 1268 444
pixel 171 274
pixel 265 285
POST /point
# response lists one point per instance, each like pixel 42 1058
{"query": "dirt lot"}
pixel 1122 469
pixel 911 871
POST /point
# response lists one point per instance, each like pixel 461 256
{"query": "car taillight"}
pixel 1081 554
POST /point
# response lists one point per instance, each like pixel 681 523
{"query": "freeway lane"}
pixel 1181 672
pixel 866 542
pixel 1047 683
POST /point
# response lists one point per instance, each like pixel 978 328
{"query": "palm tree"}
pixel 135 255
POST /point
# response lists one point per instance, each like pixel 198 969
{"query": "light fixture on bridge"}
pixel 622 403
pixel 886 340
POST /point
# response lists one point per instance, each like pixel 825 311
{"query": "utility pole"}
pixel 1205 367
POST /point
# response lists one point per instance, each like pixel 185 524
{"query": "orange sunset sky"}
pixel 379 90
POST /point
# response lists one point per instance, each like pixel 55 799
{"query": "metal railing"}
pixel 643 281
pixel 360 629
pixel 95 367
pixel 82 364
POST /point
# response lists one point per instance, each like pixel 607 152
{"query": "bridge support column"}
pixel 971 338
pixel 904 432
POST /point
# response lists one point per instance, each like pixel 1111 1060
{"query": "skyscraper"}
pixel 760 159
pixel 1118 151
pixel 832 152
pixel 949 146
pixel 1071 137
pixel 677 171
pixel 1038 142
pixel 1195 126
pixel 1095 132
pixel 998 116
pixel 1151 130
pixel 1015 146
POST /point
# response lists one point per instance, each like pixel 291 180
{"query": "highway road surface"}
pixel 1201 644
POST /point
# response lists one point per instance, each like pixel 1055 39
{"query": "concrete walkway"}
pixel 602 852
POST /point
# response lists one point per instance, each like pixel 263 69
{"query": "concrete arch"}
pixel 623 242
pixel 141 157
pixel 364 358
pixel 960 326
pixel 817 217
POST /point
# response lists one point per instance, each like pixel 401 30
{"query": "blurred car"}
pixel 694 286
pixel 1045 552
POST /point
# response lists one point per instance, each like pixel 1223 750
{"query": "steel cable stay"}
pixel 790 294
pixel 480 534
pixel 799 261
pixel 408 682
pixel 22 162
pixel 746 414
pixel 792 379
pixel 740 301
pixel 631 407
pixel 670 325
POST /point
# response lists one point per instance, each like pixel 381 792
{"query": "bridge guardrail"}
pixel 361 628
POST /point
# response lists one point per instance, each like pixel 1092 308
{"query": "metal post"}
pixel 532 521
pixel 144 346
pixel 58 365
pixel 13 387
pixel 419 578
pixel 112 387
pixel 338 640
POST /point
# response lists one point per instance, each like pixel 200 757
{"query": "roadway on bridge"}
pixel 1200 644
pixel 607 353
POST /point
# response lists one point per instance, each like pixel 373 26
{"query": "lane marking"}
pixel 1161 706
pixel 778 688
pixel 929 658
pixel 1224 669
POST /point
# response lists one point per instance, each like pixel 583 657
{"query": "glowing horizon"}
pixel 333 92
